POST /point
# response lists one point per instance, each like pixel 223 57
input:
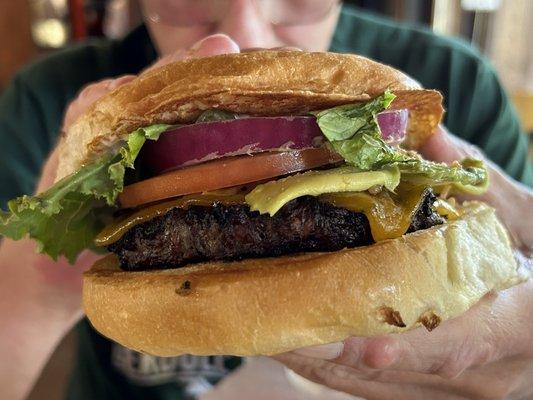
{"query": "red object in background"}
pixel 86 18
pixel 77 19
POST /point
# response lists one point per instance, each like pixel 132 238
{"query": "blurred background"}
pixel 501 29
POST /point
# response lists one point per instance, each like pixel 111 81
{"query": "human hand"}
pixel 60 283
pixel 40 299
pixel 512 200
pixel 487 353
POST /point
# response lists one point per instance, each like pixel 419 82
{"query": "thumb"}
pixel 446 351
pixel 503 190
pixel 209 46
pixel 445 147
pixel 212 46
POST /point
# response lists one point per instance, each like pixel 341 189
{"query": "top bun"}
pixel 266 83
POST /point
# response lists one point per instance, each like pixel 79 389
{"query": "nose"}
pixel 244 23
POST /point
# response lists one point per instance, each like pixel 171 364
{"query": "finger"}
pixel 48 173
pixel 91 93
pixel 382 385
pixel 209 46
pixel 61 273
pixel 444 147
pixel 324 351
pixel 87 96
pixel 363 354
pixel 325 372
pixel 502 191
pixel 213 45
pixel 115 83
pixel 446 351
pixel 495 328
pixel 456 345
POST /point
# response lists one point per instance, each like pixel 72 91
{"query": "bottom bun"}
pixel 272 305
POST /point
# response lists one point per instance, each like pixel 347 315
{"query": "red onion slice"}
pixel 393 125
pixel 197 143
pixel 193 144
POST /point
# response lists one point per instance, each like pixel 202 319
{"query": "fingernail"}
pixel 217 36
pixel 381 352
pixel 324 351
pixel 390 354
pixel 199 43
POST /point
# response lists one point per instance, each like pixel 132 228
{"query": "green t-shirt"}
pixel 31 110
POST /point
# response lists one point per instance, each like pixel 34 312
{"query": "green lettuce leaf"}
pixel 353 132
pixel 366 152
pixel 65 219
pixel 344 122
pixel 469 176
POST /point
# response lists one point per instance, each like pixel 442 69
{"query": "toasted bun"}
pixel 257 83
pixel 272 305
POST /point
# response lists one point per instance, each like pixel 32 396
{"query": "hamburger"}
pixel 260 202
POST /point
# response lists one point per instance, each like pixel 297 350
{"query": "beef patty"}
pixel 233 232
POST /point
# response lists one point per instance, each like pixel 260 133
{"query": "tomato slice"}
pixel 223 173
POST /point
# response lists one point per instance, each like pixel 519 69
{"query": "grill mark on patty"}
pixel 233 232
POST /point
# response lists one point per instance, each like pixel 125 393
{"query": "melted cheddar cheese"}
pixel 116 229
pixel 389 214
